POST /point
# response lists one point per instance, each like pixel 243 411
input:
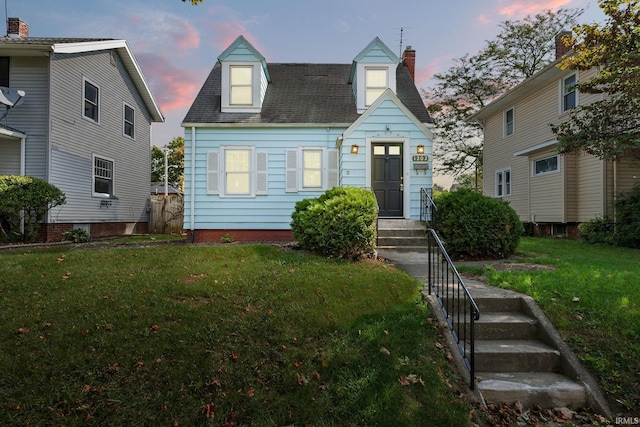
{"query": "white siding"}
pixel 75 139
pixel 31 74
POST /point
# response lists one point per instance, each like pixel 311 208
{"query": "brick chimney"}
pixel 17 28
pixel 561 48
pixel 409 60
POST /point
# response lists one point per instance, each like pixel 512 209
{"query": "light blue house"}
pixel 261 136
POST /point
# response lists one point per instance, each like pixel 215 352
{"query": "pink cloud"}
pixel 520 8
pixel 224 33
pixel 173 87
pixel 484 19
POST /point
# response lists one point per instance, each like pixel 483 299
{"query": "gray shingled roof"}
pixel 45 41
pixel 301 93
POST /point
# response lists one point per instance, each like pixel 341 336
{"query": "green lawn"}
pixel 593 298
pixel 216 335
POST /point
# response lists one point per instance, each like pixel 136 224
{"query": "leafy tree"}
pixel 175 160
pixel 522 48
pixel 608 127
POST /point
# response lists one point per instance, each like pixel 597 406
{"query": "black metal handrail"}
pixel 456 303
pixel 427 205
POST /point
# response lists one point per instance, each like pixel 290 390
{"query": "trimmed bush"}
pixel 476 226
pixel 628 218
pixel 77 235
pixel 340 223
pixel 25 198
pixel 598 230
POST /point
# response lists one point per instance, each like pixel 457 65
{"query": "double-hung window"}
pixel 91 100
pixel 546 165
pixel 237 171
pixel 103 173
pixel 503 182
pixel 377 81
pixel 311 169
pixel 569 93
pixel 128 121
pixel 509 122
pixel 241 85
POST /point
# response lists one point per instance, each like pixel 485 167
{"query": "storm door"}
pixel 386 178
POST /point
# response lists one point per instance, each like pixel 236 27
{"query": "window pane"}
pixel 508 118
pixel 312 159
pixel 128 121
pixel 394 150
pixel 238 183
pixel 102 176
pixel 372 95
pixel 569 98
pixel 378 150
pixel 241 95
pixel 90 101
pixel 507 182
pixel 241 75
pixel 312 178
pixel 546 165
pixel 236 160
pixel 377 77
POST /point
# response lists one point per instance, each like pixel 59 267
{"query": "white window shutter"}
pixel 262 166
pixel 213 168
pixel 291 185
pixel 332 169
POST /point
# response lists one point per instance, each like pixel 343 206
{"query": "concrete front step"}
pixel 400 241
pixel 515 356
pixel 505 326
pixel 544 389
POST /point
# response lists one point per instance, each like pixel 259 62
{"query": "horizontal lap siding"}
pixel 628 171
pixel 268 212
pixel 31 74
pixel 590 191
pixel 353 168
pixel 543 196
pixel 74 140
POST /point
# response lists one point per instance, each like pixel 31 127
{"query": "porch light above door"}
pixel 354 149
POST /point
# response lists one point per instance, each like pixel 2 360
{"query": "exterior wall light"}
pixel 420 149
pixel 354 149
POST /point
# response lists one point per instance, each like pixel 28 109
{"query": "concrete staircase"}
pixel 517 359
pixel 402 234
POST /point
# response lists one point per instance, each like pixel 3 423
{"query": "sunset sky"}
pixel 177 44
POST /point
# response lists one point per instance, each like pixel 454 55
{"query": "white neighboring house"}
pixel 84 126
pixel 549 191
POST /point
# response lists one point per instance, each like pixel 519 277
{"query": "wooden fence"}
pixel 166 214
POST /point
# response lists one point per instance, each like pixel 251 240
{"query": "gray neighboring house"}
pixel 84 125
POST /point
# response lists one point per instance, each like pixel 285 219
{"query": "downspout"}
pixel 615 188
pixel 193 183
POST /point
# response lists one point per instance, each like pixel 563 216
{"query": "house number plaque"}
pixel 420 158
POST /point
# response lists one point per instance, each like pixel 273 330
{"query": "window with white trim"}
pixel 91 100
pixel 509 128
pixel 128 124
pixel 569 92
pixel 503 182
pixel 376 82
pixel 103 174
pixel 545 165
pixel 241 85
pixel 237 172
pixel 311 169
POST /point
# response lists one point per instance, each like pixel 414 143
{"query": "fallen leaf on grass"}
pixel 385 351
pixel 23 330
pixel 575 299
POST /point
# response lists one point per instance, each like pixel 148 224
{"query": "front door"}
pixel 386 178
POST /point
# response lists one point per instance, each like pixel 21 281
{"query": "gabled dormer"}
pixel 244 78
pixel 372 72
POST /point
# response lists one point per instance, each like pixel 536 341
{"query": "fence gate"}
pixel 166 214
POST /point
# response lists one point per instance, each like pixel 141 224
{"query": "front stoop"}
pixel 401 234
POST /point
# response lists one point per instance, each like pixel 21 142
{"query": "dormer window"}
pixel 241 82
pixel 377 81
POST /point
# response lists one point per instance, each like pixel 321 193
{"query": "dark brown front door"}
pixel 387 178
